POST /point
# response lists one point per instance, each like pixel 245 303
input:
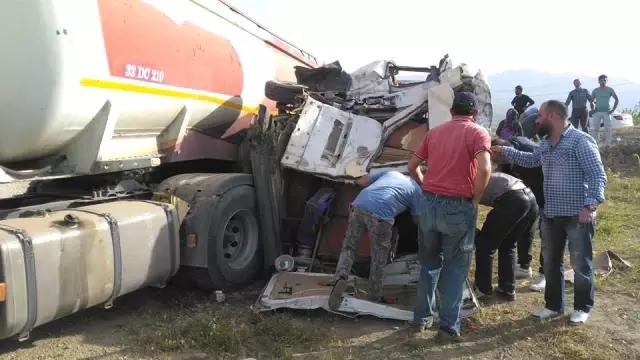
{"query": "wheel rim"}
pixel 240 240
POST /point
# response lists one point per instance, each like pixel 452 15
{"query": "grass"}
pixel 499 331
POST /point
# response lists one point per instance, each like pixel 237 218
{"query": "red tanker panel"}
pixel 143 43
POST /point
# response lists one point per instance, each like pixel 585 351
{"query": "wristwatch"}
pixel 590 207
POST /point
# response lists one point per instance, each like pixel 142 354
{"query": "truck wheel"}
pixel 235 251
pixel 282 91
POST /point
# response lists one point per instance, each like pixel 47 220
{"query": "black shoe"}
pixel 446 337
pixel 335 298
pixel 508 296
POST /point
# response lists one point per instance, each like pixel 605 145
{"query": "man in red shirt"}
pixel 459 166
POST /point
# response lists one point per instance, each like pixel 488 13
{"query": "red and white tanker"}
pixel 99 101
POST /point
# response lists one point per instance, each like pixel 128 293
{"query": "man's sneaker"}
pixel 445 337
pixel 546 314
pixel 523 273
pixel 539 283
pixel 509 296
pixel 578 317
pixel 480 294
pixel 420 328
pixel 335 298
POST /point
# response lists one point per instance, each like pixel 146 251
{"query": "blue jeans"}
pixel 448 228
pixel 555 233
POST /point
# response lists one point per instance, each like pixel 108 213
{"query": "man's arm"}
pixel 520 158
pixel 593 99
pixel 569 97
pixel 589 158
pixel 422 154
pixel 367 180
pixel 590 98
pixel 482 176
pixel 513 102
pixel 530 102
pixel 414 168
pixel 616 100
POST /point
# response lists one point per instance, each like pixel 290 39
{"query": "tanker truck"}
pixel 103 102
pixel 143 137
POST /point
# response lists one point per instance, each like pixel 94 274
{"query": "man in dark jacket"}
pixel 533 179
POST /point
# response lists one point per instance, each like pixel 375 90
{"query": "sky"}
pixel 584 37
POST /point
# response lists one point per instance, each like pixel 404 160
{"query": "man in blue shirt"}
pixel 574 182
pixel 385 195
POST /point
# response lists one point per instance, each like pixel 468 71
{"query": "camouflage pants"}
pixel 380 232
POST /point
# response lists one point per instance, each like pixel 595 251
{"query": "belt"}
pixel 526 191
pixel 446 197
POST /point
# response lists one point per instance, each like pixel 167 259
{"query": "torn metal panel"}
pixel 302 291
pixel 331 142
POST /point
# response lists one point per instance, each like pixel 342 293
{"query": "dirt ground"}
pixel 181 323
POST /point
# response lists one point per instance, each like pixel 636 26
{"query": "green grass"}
pixel 503 330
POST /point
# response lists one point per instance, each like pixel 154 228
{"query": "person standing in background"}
pixel 574 183
pixel 602 96
pixel 510 126
pixel 578 98
pixel 459 166
pixel 521 101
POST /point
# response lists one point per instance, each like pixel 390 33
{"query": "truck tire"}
pixel 234 247
pixel 282 91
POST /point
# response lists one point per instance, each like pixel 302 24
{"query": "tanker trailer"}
pixel 104 103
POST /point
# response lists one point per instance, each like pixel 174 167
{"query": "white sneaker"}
pixel 546 314
pixel 522 273
pixel 578 317
pixel 539 283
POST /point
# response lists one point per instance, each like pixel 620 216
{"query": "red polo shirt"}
pixel 450 150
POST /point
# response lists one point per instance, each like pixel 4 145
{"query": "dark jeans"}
pixel 448 228
pixel 580 116
pixel 556 232
pixel 512 214
pixel 525 245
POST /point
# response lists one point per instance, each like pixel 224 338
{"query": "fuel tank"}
pixel 63 262
pixel 133 77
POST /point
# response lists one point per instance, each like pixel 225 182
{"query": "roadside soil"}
pixel 180 323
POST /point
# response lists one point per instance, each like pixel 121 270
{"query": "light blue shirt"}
pixel 389 194
pixel 574 176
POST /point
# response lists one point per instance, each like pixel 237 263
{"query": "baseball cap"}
pixel 465 97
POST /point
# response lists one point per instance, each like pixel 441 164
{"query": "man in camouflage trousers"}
pixel 385 195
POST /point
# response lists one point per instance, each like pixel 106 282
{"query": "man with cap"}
pixel 602 96
pixel 458 169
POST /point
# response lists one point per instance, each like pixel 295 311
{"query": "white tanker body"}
pixel 98 96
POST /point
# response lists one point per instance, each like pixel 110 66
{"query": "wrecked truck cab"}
pixel 343 126
pixel 377 124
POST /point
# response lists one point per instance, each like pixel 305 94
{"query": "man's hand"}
pixel 496 149
pixel 475 203
pixel 587 216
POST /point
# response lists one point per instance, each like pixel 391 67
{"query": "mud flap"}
pixel 295 290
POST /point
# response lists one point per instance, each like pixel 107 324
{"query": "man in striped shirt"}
pixel 578 98
pixel 574 182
